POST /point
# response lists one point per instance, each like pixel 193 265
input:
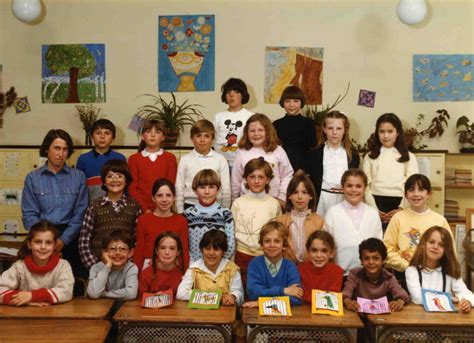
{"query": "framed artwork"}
pixel 435 301
pixel 443 78
pixel 73 73
pixel 186 49
pixel 286 66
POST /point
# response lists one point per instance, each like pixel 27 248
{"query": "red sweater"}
pixel 150 226
pixel 163 280
pixel 145 173
pixel 327 278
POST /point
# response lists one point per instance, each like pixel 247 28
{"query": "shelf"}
pixel 460 186
pixel 457 220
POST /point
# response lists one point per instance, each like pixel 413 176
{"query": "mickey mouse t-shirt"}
pixel 229 128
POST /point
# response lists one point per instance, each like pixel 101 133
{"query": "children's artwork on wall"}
pixel 158 300
pixel 443 78
pixel 205 300
pixel 435 301
pixel 302 67
pixel 73 73
pixel 22 105
pixel 366 98
pixel 374 306
pixel 274 306
pixel 186 48
pixel 323 302
pixel 136 123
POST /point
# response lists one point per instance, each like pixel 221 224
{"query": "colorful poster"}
pixel 326 303
pixel 186 48
pixel 374 306
pixel 435 301
pixel 443 78
pixel 302 67
pixel 274 306
pixel 73 73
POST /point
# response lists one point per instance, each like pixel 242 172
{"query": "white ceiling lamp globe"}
pixel 26 10
pixel 412 12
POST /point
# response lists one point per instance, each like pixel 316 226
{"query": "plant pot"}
pixel 171 138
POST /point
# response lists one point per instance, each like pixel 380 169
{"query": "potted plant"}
pixel 87 114
pixel 414 136
pixel 317 115
pixel 466 133
pixel 175 116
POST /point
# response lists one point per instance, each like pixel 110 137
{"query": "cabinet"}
pixel 463 194
pixel 432 164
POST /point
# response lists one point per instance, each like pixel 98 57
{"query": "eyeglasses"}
pixel 118 249
pixel 115 176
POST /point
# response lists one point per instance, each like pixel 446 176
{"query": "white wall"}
pixel 363 41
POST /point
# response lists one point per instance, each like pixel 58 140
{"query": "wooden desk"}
pixel 413 323
pixel 302 326
pixel 174 323
pixel 77 308
pixel 46 330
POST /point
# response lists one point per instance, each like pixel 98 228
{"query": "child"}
pixel 108 213
pixel 333 156
pixel 251 211
pixel 202 157
pixel 387 166
pixel 115 277
pixel 300 218
pixel 372 281
pixel 297 133
pixel 406 227
pixel 164 272
pixel 435 266
pixel 319 272
pixel 163 218
pixel 351 221
pixel 150 163
pixel 260 139
pixel 271 275
pixel 229 124
pixel 213 272
pixel 91 163
pixel 208 214
pixel 39 277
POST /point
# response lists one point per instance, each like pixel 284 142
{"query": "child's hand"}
pixel 228 299
pixel 351 305
pixel 396 305
pixel 294 290
pixel 390 214
pixel 464 306
pixel 21 298
pixel 106 259
pixel 148 211
pixel 250 304
pixel 39 304
pixel 383 217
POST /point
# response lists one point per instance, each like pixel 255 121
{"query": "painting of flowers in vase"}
pixel 186 53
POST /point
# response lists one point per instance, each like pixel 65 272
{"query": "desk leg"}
pixel 173 332
pixel 428 334
pixel 298 334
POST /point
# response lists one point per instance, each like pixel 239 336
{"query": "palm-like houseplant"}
pixel 175 116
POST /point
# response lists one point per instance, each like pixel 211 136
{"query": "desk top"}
pixel 77 308
pixel 46 330
pixel 178 312
pixel 302 316
pixel 415 315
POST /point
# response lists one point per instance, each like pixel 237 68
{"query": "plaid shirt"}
pixel 87 257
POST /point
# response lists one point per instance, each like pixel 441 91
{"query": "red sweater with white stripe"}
pixel 51 283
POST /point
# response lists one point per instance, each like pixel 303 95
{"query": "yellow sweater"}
pixel 205 282
pixel 404 232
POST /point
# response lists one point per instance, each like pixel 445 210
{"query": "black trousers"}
pixel 70 253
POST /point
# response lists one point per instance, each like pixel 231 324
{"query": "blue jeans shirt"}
pixel 60 198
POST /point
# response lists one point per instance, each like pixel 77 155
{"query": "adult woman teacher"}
pixel 57 193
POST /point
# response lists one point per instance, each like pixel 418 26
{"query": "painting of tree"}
pixel 73 73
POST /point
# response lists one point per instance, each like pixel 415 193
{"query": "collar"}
pixel 152 155
pixel 298 115
pixel 349 206
pixel 106 200
pixel 384 275
pixel 199 264
pixel 418 213
pixel 96 154
pixel 45 170
pixel 209 154
pixel 35 269
pixel 268 263
pixel 305 213
pixel 260 195
pixel 383 149
pixel 328 148
pixel 429 270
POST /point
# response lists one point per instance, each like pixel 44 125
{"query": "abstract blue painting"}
pixel 443 78
pixel 186 48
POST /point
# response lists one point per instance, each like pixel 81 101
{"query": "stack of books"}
pixel 463 177
pixel 450 177
pixel 451 209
